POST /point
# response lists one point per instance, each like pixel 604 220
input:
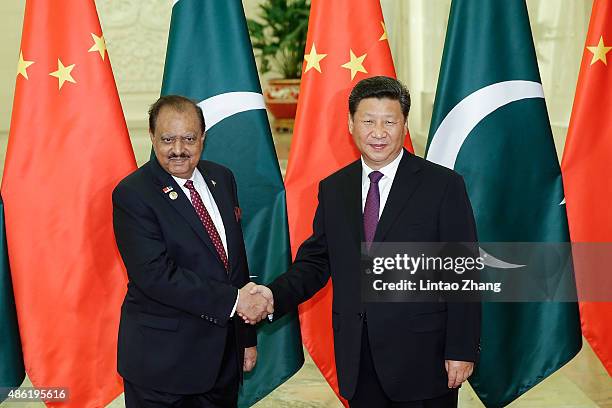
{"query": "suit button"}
pixel 215 321
pixel 360 315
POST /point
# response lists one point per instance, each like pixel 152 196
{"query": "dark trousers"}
pixel 224 394
pixel 370 394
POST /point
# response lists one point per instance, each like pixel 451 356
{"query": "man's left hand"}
pixel 250 358
pixel 458 372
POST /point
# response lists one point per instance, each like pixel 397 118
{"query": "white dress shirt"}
pixel 209 202
pixel 385 183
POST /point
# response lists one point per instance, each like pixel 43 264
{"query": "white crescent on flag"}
pixel 468 113
pixel 218 107
pixel 493 262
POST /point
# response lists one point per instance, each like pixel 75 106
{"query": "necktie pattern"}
pixel 372 207
pixel 207 221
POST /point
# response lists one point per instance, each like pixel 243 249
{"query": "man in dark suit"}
pixel 177 225
pixel 387 354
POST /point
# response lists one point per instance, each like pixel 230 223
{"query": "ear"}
pixel 151 135
pixel 351 124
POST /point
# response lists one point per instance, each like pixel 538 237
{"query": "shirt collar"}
pixel 196 177
pixel 388 171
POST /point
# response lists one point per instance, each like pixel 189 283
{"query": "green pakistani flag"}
pixel 12 372
pixel 490 124
pixel 210 60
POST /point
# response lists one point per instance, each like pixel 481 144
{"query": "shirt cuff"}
pixel 235 304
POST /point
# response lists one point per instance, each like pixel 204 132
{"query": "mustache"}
pixel 179 156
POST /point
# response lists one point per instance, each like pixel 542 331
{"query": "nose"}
pixel 379 130
pixel 177 146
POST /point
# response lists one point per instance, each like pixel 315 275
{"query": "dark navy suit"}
pixel 175 320
pixel 410 341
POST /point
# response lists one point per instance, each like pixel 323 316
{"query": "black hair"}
pixel 380 87
pixel 176 102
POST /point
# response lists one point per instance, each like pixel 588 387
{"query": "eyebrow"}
pixel 173 135
pixel 384 116
pixel 378 114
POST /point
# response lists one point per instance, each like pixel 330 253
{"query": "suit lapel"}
pixel 405 182
pixel 181 204
pixel 351 201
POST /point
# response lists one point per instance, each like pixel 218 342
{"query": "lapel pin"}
pixel 214 183
pixel 173 195
pixel 167 189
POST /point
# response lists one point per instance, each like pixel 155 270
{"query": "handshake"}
pixel 255 303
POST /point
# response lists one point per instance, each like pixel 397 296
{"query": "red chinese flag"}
pixel 346 43
pixel 68 147
pixel 587 166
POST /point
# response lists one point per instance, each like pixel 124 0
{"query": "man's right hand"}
pixel 254 304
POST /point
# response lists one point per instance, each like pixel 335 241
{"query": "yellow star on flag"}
pixel 599 52
pixel 22 66
pixel 99 45
pixel 63 73
pixel 355 64
pixel 313 59
pixel 384 34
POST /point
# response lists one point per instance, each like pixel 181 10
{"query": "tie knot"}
pixel 375 176
pixel 189 185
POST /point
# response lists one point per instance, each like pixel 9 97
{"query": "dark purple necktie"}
pixel 372 207
pixel 207 221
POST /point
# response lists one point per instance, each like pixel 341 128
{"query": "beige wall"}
pixel 11 19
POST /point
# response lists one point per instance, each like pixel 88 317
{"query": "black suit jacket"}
pixel 409 341
pixel 175 316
